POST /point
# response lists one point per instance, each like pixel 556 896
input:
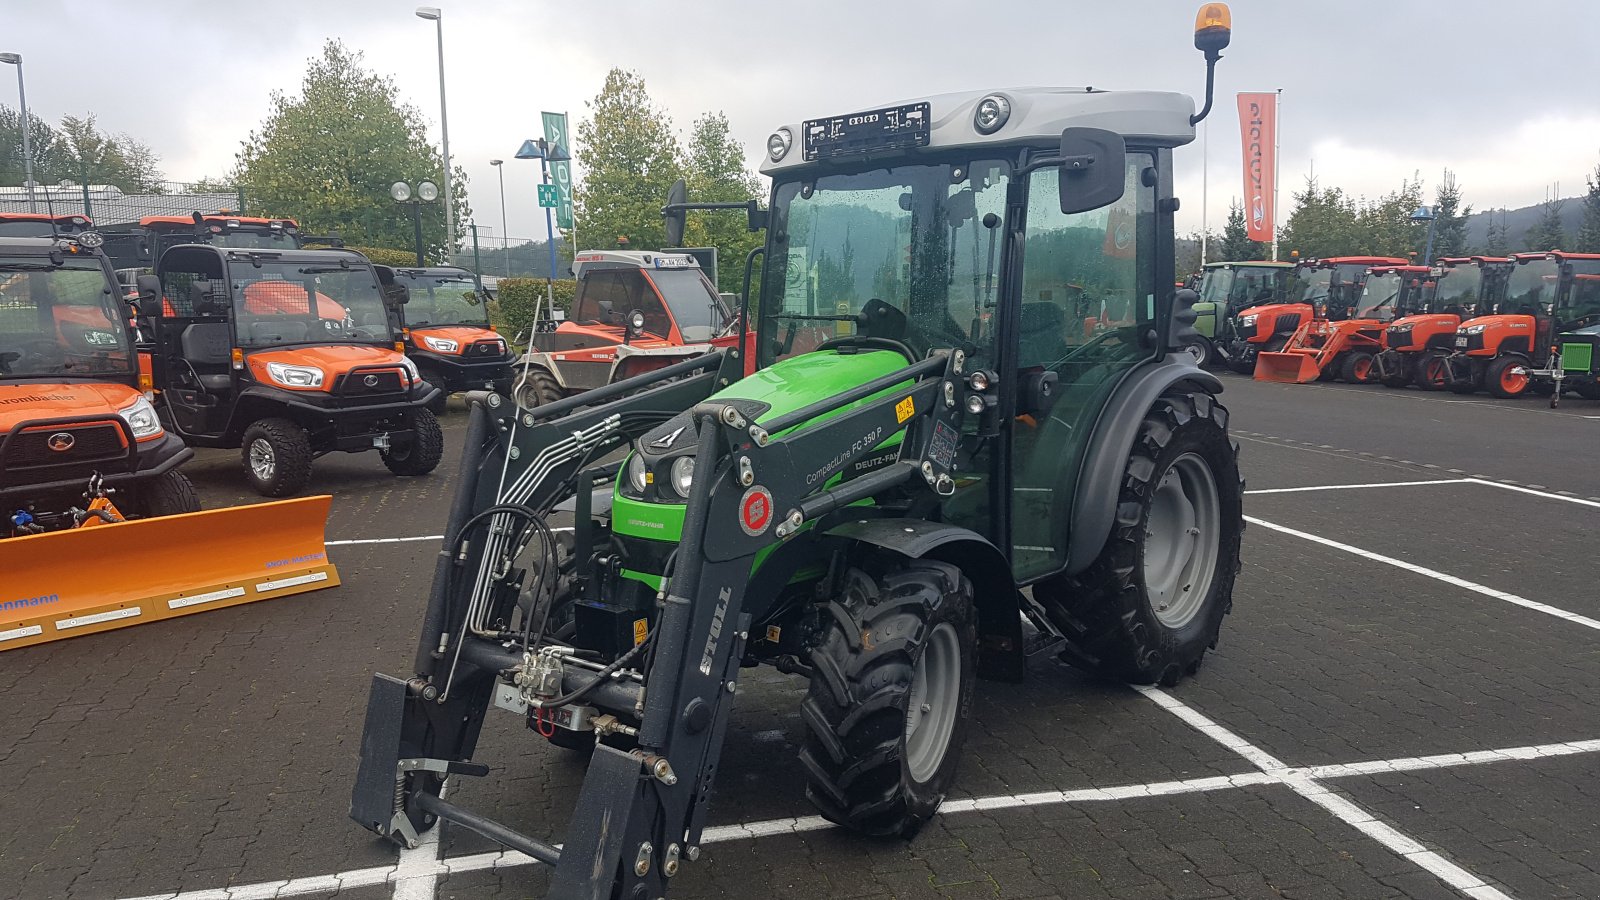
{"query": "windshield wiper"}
pixel 821 318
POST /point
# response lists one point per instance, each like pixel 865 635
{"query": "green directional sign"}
pixel 556 135
pixel 549 195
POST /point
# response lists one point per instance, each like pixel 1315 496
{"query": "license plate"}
pixel 879 129
pixel 1461 342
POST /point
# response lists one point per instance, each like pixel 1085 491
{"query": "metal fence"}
pixel 511 257
pixel 107 204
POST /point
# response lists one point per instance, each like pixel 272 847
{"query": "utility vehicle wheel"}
pixel 1507 377
pixel 1151 605
pixel 168 494
pixel 891 684
pixel 1431 372
pixel 1359 367
pixel 277 457
pixel 1200 348
pixel 422 454
pixel 535 388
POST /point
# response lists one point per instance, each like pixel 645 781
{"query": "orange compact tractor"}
pixel 287 354
pixel 635 311
pixel 1545 293
pixel 1418 342
pixel 1345 342
pixel 1320 287
pixel 445 322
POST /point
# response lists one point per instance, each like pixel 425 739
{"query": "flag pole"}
pixel 1277 165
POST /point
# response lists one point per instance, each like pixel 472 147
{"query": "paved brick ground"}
pixel 218 749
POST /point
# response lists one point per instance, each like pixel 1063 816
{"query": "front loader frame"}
pixel 639 812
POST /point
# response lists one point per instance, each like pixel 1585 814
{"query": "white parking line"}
pixel 1275 774
pixel 1342 808
pixel 1351 487
pixel 1473 586
pixel 1537 493
pixel 416 875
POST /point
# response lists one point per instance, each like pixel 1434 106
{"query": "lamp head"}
pixel 530 149
pixel 431 13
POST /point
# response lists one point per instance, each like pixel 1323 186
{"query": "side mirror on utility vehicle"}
pixel 149 295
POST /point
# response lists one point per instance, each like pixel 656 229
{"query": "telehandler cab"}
pixel 286 355
pixel 1417 342
pixel 868 508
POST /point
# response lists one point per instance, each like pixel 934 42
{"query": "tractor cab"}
pixel 1417 341
pixel 1545 294
pixel 70 404
pixel 288 354
pixel 1393 292
pixel 1227 289
pixel 443 314
pixel 42 225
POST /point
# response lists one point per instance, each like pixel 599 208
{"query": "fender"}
pixel 541 360
pixel 1000 648
pixel 1100 476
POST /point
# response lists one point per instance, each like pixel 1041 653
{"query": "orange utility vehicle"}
pixel 137 245
pixel 1319 287
pixel 1344 343
pixel 1417 343
pixel 79 443
pixel 42 225
pixel 635 311
pixel 285 354
pixel 445 321
pixel 1545 294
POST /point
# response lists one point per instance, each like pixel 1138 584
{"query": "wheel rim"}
pixel 1514 379
pixel 527 394
pixel 1181 540
pixel 1196 352
pixel 935 702
pixel 1433 372
pixel 262 459
pixel 1363 368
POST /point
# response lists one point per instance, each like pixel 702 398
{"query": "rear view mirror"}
pixel 149 295
pixel 1092 161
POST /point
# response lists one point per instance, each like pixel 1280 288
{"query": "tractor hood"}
pixel 21 402
pixel 1508 321
pixel 1274 309
pixel 331 360
pixel 462 335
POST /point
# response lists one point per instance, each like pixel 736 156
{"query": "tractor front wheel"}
pixel 1432 373
pixel 277 457
pixel 891 687
pixel 422 454
pixel 1359 367
pixel 1507 377
pixel 1150 606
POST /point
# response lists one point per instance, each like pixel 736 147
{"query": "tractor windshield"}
pixel 1458 289
pixel 1531 290
pixel 1582 302
pixel 1216 285
pixel 443 299
pixel 26 228
pixel 696 307
pixel 279 303
pixel 1379 296
pixel 920 238
pixel 1314 285
pixel 255 239
pixel 61 321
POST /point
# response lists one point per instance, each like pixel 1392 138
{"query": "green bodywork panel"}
pixel 1205 318
pixel 785 386
pixel 1577 357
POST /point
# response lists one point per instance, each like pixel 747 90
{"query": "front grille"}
pixel 1399 339
pixel 363 382
pixel 487 349
pixel 82 443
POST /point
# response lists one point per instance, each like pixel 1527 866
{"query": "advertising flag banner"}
pixel 1258 125
pixel 555 134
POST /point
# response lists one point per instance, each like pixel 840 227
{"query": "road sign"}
pixel 549 195
pixel 555 134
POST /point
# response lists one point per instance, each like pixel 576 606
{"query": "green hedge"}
pixel 518 300
pixel 382 256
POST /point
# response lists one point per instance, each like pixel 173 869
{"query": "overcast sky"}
pixel 1373 91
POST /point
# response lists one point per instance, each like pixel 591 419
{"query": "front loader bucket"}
pixel 1287 367
pixel 66 583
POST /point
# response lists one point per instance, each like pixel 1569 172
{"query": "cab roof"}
pixel 1355 261
pixel 217 218
pixel 630 259
pixel 1479 260
pixel 1559 255
pixel 1038 116
pixel 1400 270
pixel 64 218
pixel 1254 263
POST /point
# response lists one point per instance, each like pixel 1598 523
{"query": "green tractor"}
pixel 1226 288
pixel 944 462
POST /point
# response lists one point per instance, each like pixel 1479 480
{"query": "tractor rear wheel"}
pixel 1507 377
pixel 535 388
pixel 1151 605
pixel 277 457
pixel 422 454
pixel 1431 372
pixel 1358 367
pixel 168 494
pixel 891 685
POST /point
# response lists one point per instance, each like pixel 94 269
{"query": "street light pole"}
pixel 542 151
pixel 505 245
pixel 1431 216
pixel 15 59
pixel 433 14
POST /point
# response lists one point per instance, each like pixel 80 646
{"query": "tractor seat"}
pixel 207 346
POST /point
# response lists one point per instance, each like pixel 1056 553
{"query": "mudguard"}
pixel 539 359
pixel 1100 478
pixel 1000 647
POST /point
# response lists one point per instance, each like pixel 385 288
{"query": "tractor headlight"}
pixel 1403 326
pixel 441 345
pixel 682 475
pixel 1474 329
pixel 779 143
pixel 295 376
pixel 975 404
pixel 638 478
pixel 1247 321
pixel 141 418
pixel 992 113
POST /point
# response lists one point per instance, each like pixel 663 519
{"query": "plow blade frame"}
pixel 68 583
pixel 1287 367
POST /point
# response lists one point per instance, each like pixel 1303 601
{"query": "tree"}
pixel 1547 233
pixel 328 157
pixel 1450 218
pixel 97 158
pixel 1236 245
pixel 1323 223
pixel 717 173
pixel 1589 230
pixel 630 159
pixel 1384 227
pixel 49 165
pixel 1497 242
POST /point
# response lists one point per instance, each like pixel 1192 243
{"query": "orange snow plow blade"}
pixel 1287 367
pixel 68 583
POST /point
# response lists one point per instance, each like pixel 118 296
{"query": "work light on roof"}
pixel 91 239
pixel 992 113
pixel 779 143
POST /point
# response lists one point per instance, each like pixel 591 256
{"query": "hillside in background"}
pixel 1518 221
